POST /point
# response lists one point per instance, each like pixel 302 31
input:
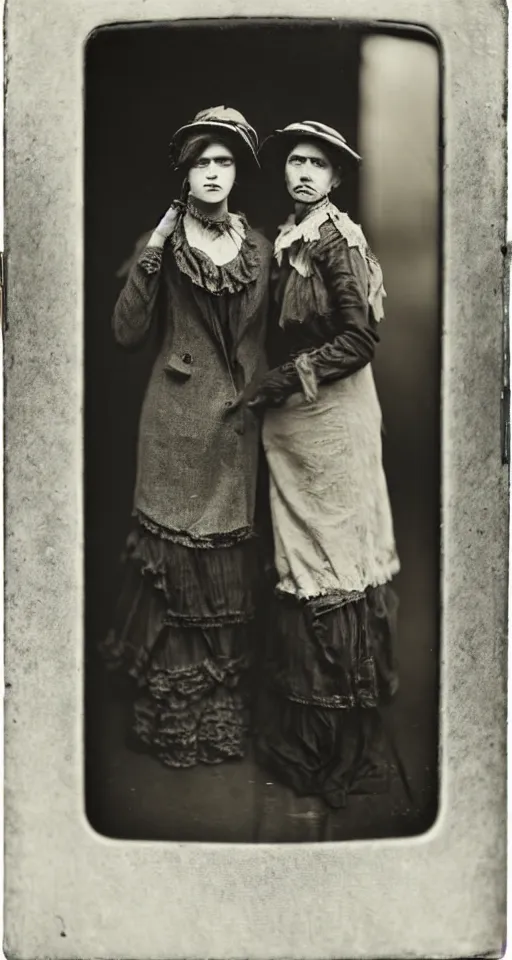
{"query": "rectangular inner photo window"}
pixel 262 430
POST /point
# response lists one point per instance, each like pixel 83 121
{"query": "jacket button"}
pixel 186 358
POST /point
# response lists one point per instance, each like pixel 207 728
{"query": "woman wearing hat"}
pixel 184 623
pixel 329 659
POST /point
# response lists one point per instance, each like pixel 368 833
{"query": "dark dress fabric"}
pixel 184 632
pixel 327 670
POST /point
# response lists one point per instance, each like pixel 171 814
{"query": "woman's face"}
pixel 212 176
pixel 309 174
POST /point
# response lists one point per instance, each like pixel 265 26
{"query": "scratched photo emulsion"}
pixel 262 424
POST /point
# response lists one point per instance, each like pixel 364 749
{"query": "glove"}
pixel 271 391
pixel 165 227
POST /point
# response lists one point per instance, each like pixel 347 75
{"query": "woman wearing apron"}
pixel 329 660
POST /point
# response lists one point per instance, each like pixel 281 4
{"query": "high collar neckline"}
pixel 217 224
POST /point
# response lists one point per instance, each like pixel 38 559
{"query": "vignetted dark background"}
pixel 141 84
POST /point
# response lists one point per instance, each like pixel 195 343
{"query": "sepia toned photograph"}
pixel 262 355
pixel 257 454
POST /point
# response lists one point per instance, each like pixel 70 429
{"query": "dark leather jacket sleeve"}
pixel 350 332
pixel 353 346
pixel 136 303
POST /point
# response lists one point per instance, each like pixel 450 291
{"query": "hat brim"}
pixel 214 125
pixel 299 132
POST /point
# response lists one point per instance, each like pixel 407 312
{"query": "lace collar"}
pixel 307 229
pixel 231 277
pixel 217 225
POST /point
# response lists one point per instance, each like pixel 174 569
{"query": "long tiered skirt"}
pixel 183 633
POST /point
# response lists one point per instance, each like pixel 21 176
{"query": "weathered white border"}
pixel 438 895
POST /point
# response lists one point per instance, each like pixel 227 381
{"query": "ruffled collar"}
pixel 229 277
pixel 308 229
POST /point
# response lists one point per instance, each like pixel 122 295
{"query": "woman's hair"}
pixel 196 143
pixel 192 149
pixel 194 146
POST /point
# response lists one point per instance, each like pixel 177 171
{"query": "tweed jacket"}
pixel 197 465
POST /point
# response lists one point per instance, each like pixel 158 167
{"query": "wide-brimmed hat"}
pixel 219 120
pixel 311 130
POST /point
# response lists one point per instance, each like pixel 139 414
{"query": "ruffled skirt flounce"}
pixel 184 634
